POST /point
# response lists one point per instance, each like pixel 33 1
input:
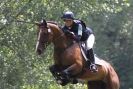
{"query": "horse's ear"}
pixel 44 22
pixel 37 23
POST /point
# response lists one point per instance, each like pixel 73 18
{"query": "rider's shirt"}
pixel 79 30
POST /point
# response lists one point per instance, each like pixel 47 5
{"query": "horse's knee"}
pixel 78 68
pixel 54 68
pixel 74 69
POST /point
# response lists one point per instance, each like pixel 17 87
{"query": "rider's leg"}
pixel 90 55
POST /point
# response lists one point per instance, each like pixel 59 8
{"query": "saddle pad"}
pixel 98 61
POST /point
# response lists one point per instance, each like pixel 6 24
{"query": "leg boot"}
pixel 90 56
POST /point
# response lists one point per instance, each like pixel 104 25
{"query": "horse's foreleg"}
pixel 55 70
pixel 73 69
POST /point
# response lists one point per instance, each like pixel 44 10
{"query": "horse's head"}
pixel 44 36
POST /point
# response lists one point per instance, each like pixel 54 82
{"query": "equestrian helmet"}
pixel 68 15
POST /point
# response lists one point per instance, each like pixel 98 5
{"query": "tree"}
pixel 21 68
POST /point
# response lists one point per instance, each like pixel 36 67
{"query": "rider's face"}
pixel 68 22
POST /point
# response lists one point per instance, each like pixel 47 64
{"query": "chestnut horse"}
pixel 68 57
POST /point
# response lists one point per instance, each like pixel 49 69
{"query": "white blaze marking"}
pixel 37 44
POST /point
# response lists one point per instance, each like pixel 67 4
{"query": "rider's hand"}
pixel 71 35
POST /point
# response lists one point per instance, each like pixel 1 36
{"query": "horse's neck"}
pixel 59 39
pixel 60 42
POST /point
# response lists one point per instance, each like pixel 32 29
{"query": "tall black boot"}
pixel 90 56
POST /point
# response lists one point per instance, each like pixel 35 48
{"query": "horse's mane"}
pixel 55 23
pixel 52 22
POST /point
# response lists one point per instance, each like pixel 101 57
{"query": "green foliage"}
pixel 21 68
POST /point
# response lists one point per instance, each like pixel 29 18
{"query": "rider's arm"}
pixel 80 29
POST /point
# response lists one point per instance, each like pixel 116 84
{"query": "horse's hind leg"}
pixel 96 85
pixel 112 79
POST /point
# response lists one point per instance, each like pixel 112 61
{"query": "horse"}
pixel 68 57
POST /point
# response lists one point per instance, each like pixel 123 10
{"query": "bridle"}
pixel 50 31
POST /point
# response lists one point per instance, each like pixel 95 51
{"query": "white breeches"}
pixel 90 41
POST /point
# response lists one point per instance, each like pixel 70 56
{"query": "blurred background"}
pixel 21 68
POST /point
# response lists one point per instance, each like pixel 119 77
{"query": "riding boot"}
pixel 90 56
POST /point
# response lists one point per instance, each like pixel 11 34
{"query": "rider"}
pixel 80 32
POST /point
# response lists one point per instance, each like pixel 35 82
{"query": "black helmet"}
pixel 68 15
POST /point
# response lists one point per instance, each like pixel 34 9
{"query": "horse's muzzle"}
pixel 39 51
